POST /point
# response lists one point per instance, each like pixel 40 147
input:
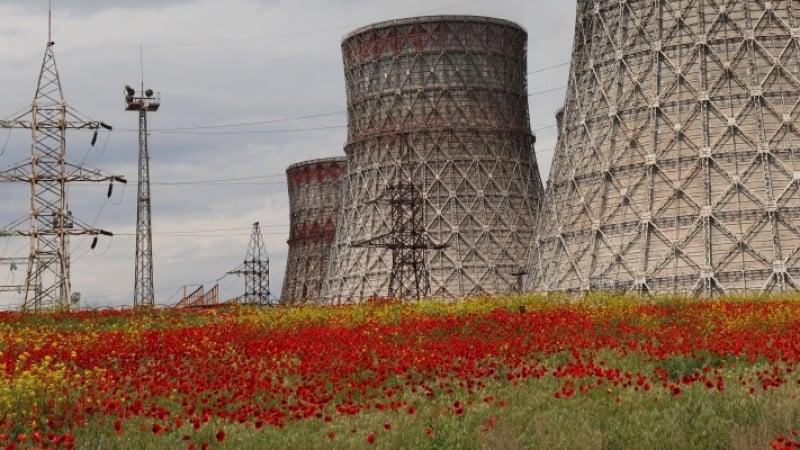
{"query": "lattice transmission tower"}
pixel 407 240
pixel 47 282
pixel 255 270
pixel 143 102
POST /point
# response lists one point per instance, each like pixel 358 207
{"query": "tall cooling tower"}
pixel 678 160
pixel 313 204
pixel 440 102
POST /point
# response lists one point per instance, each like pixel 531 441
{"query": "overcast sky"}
pixel 275 65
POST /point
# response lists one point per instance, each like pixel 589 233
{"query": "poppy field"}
pixel 515 372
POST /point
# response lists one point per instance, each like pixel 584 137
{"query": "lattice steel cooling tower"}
pixel 678 163
pixel 440 102
pixel 313 205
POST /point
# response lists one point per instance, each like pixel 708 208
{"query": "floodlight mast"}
pixel 143 293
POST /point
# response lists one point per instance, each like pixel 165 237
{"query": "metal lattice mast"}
pixel 47 282
pixel 255 270
pixel 143 294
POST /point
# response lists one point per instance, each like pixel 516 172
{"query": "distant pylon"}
pixel 255 269
pixel 47 282
pixel 143 101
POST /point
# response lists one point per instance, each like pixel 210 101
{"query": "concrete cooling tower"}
pixel 313 204
pixel 678 159
pixel 440 102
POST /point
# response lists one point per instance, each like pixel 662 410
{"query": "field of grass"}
pixel 516 372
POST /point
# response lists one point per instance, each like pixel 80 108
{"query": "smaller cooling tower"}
pixel 313 204
pixel 440 102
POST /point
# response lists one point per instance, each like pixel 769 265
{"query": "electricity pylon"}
pixel 407 240
pixel 47 282
pixel 255 269
pixel 143 294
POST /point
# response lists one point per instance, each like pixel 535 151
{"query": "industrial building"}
pixel 313 205
pixel 677 166
pixel 438 104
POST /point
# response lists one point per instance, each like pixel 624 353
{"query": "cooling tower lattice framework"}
pixel 440 102
pixel 313 205
pixel 678 161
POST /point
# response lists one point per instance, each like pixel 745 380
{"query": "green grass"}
pixel 532 418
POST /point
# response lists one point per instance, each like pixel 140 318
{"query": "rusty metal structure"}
pixel 440 102
pixel 199 298
pixel 313 205
pixel 677 168
pixel 50 222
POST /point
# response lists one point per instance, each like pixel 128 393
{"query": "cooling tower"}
pixel 678 160
pixel 440 102
pixel 313 203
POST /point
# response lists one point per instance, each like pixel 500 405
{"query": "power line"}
pixel 198 130
pixel 222 133
pixel 241 124
pixel 561 88
pixel 196 183
pixel 252 38
pixel 544 69
pixel 228 181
